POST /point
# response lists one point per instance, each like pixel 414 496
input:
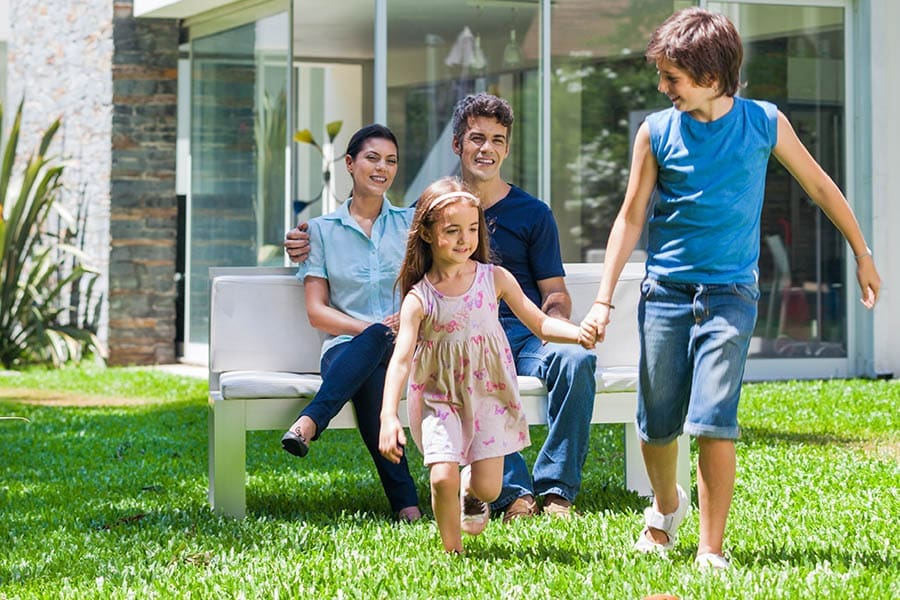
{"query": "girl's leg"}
pixel 398 484
pixel 445 503
pixel 487 479
pixel 716 469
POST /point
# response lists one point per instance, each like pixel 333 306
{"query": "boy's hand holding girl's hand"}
pixel 593 327
pixel 392 439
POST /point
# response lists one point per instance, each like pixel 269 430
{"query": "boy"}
pixel 707 157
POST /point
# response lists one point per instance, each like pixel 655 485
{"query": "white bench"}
pixel 264 365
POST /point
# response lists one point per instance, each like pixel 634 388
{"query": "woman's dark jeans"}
pixel 355 371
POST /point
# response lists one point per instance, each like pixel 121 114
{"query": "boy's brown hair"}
pixel 704 44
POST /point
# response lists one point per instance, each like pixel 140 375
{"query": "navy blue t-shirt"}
pixel 525 241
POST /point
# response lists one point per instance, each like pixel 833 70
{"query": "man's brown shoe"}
pixel 523 506
pixel 557 506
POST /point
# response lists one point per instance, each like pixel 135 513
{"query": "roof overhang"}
pixel 176 9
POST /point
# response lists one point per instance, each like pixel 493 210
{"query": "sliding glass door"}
pixel 237 207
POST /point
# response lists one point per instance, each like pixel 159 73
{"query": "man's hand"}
pixel 296 243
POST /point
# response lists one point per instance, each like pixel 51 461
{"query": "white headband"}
pixel 448 195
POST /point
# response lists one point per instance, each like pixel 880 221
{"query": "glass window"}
pixel 333 65
pixel 238 137
pixel 602 87
pixel 437 55
pixel 794 57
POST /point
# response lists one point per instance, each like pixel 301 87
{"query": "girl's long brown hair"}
pixel 418 257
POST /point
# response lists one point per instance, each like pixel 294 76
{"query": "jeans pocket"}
pixel 746 291
pixel 648 286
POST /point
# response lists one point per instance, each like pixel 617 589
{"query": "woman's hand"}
pixel 392 322
pixel 392 439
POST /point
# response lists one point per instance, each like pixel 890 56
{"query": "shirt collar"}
pixel 343 211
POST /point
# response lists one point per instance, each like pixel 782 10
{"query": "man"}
pixel 525 240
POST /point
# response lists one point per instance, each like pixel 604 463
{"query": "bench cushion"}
pixel 268 384
pixel 279 384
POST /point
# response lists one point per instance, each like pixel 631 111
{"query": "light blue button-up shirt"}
pixel 360 270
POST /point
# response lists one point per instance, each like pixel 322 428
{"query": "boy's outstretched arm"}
pixel 822 190
pixel 625 232
pixel 391 439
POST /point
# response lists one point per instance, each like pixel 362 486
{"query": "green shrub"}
pixel 36 324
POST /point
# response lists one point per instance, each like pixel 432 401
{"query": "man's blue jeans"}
pixel 568 371
pixel 355 371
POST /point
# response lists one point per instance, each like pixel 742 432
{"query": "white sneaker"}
pixel 473 513
pixel 667 523
pixel 710 561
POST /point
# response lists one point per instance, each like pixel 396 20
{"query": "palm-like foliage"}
pixel 34 316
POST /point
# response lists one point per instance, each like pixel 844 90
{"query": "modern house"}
pixel 179 118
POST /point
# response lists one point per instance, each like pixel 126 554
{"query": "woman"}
pixel 349 287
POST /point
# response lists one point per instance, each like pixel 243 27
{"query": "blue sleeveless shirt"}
pixel 704 228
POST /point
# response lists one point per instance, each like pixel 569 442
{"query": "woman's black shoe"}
pixel 295 444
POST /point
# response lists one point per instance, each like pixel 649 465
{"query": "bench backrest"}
pixel 258 318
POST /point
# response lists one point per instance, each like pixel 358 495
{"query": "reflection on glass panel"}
pixel 435 58
pixel 794 57
pixel 238 134
pixel 602 89
pixel 333 65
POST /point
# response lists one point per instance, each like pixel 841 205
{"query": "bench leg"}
pixel 636 478
pixel 227 457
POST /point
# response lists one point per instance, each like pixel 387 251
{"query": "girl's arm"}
pixel 322 315
pixel 391 438
pixel 822 190
pixel 545 327
pixel 625 232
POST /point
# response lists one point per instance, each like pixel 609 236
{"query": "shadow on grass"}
pixel 338 476
pixel 817 438
pixel 121 465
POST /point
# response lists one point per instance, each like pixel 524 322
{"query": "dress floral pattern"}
pixel 463 397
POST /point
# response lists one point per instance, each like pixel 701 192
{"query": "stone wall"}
pixel 112 79
pixel 143 207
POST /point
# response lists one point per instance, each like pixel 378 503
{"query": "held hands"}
pixel 391 439
pixel 593 327
pixel 296 243
pixel 588 342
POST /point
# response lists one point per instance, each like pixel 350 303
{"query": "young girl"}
pixel 463 397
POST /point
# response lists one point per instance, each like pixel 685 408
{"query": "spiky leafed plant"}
pixel 33 316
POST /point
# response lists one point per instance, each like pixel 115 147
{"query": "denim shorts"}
pixel 694 344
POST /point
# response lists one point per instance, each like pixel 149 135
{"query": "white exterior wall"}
pixel 885 242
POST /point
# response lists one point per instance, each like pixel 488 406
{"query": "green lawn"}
pixel 110 502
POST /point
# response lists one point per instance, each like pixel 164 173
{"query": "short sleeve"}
pixel 544 255
pixel 314 265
